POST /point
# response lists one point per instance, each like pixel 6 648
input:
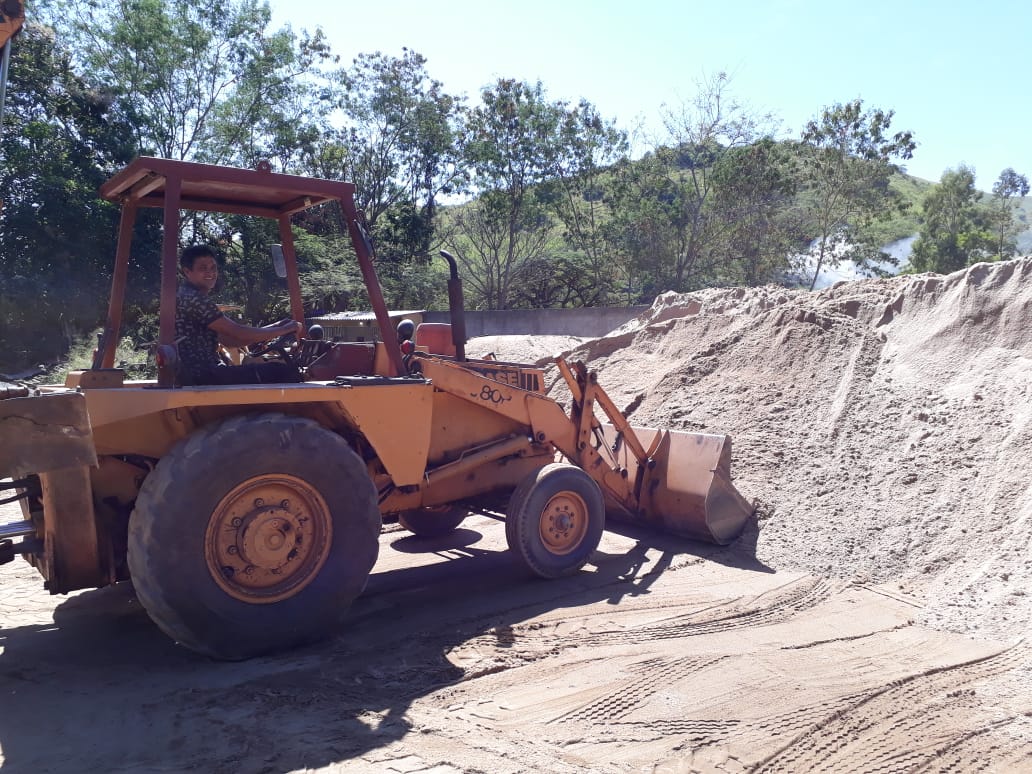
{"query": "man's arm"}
pixel 233 334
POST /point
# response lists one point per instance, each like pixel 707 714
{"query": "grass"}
pixel 137 364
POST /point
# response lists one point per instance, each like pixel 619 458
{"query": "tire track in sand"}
pixel 519 644
pixel 918 723
pixel 772 607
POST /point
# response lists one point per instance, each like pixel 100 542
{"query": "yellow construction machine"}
pixel 248 516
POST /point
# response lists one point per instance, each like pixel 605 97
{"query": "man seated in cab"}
pixel 201 326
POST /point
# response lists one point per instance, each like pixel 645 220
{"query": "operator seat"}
pixel 436 337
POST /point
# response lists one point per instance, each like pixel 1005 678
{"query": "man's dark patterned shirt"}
pixel 197 342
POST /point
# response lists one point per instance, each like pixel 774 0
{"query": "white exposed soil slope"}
pixel 884 426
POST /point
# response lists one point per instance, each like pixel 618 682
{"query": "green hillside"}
pixel 913 190
pixel 899 226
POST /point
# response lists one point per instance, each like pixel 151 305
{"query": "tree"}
pixel 953 233
pixel 662 205
pixel 846 164
pixel 205 80
pixel 554 281
pixel 499 246
pixel 326 282
pixel 576 195
pixel 1006 191
pixel 700 134
pixel 643 229
pixel 513 142
pixel 399 144
pixel 62 138
pixel 756 225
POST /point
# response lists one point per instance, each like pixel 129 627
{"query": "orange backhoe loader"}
pixel 248 516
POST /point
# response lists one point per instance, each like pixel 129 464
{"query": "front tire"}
pixel 253 535
pixel 555 520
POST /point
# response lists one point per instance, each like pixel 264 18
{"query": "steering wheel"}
pixel 281 345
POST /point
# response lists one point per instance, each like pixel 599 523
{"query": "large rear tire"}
pixel 253 535
pixel 433 521
pixel 555 520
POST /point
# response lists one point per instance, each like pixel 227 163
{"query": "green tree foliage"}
pixel 847 161
pixel 663 222
pixel 756 222
pixel 642 232
pixel 576 194
pixel 1009 188
pixel 701 133
pixel 399 144
pixel 499 247
pixel 953 233
pixel 62 137
pixel 514 141
pixel 204 81
pixel 327 282
pixel 555 281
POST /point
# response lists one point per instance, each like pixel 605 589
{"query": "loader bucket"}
pixel 686 488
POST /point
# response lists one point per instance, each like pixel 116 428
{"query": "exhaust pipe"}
pixel 456 308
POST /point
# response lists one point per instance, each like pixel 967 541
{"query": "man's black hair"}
pixel 190 254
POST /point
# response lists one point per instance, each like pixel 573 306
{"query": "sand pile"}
pixel 884 426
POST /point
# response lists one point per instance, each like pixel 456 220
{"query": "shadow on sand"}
pixel 103 689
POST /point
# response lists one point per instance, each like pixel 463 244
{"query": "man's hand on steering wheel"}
pixel 284 335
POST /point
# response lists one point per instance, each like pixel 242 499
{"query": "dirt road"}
pixel 662 655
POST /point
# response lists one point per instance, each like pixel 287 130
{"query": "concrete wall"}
pixel 545 322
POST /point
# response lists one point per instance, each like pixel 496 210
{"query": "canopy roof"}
pixel 221 189
pixel 186 185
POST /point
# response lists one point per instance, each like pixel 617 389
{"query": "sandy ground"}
pixel 875 616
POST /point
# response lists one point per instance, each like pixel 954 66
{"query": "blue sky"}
pixel 956 73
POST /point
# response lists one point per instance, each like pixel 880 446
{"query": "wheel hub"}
pixel 265 539
pixel 268 538
pixel 564 523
